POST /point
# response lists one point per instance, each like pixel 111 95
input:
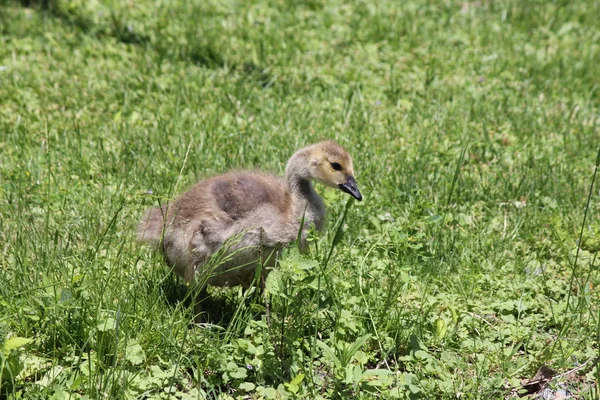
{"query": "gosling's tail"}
pixel 151 227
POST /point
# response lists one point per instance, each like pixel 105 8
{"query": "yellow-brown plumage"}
pixel 263 211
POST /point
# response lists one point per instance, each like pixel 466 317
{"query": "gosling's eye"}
pixel 336 166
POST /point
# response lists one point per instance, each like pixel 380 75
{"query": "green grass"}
pixel 474 129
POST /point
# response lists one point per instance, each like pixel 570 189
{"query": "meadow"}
pixel 470 264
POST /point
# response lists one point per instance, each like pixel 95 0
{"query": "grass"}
pixel 474 128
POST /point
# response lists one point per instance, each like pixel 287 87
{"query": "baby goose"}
pixel 262 210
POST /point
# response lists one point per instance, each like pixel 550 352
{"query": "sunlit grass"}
pixel 474 130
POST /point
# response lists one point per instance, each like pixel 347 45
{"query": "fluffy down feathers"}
pixel 245 216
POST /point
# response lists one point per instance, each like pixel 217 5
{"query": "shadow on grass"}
pixel 219 305
pixel 198 49
pixel 118 29
pixel 43 4
pixel 201 54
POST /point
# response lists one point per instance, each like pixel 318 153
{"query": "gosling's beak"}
pixel 351 188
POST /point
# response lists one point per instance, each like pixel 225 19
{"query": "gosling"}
pixel 261 213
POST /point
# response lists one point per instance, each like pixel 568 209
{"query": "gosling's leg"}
pixel 200 316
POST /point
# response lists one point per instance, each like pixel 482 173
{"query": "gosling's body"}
pixel 263 212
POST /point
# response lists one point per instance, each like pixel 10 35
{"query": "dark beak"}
pixel 351 188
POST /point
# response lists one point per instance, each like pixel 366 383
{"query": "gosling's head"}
pixel 331 165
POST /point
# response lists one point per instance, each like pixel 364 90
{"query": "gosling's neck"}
pixel 298 178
